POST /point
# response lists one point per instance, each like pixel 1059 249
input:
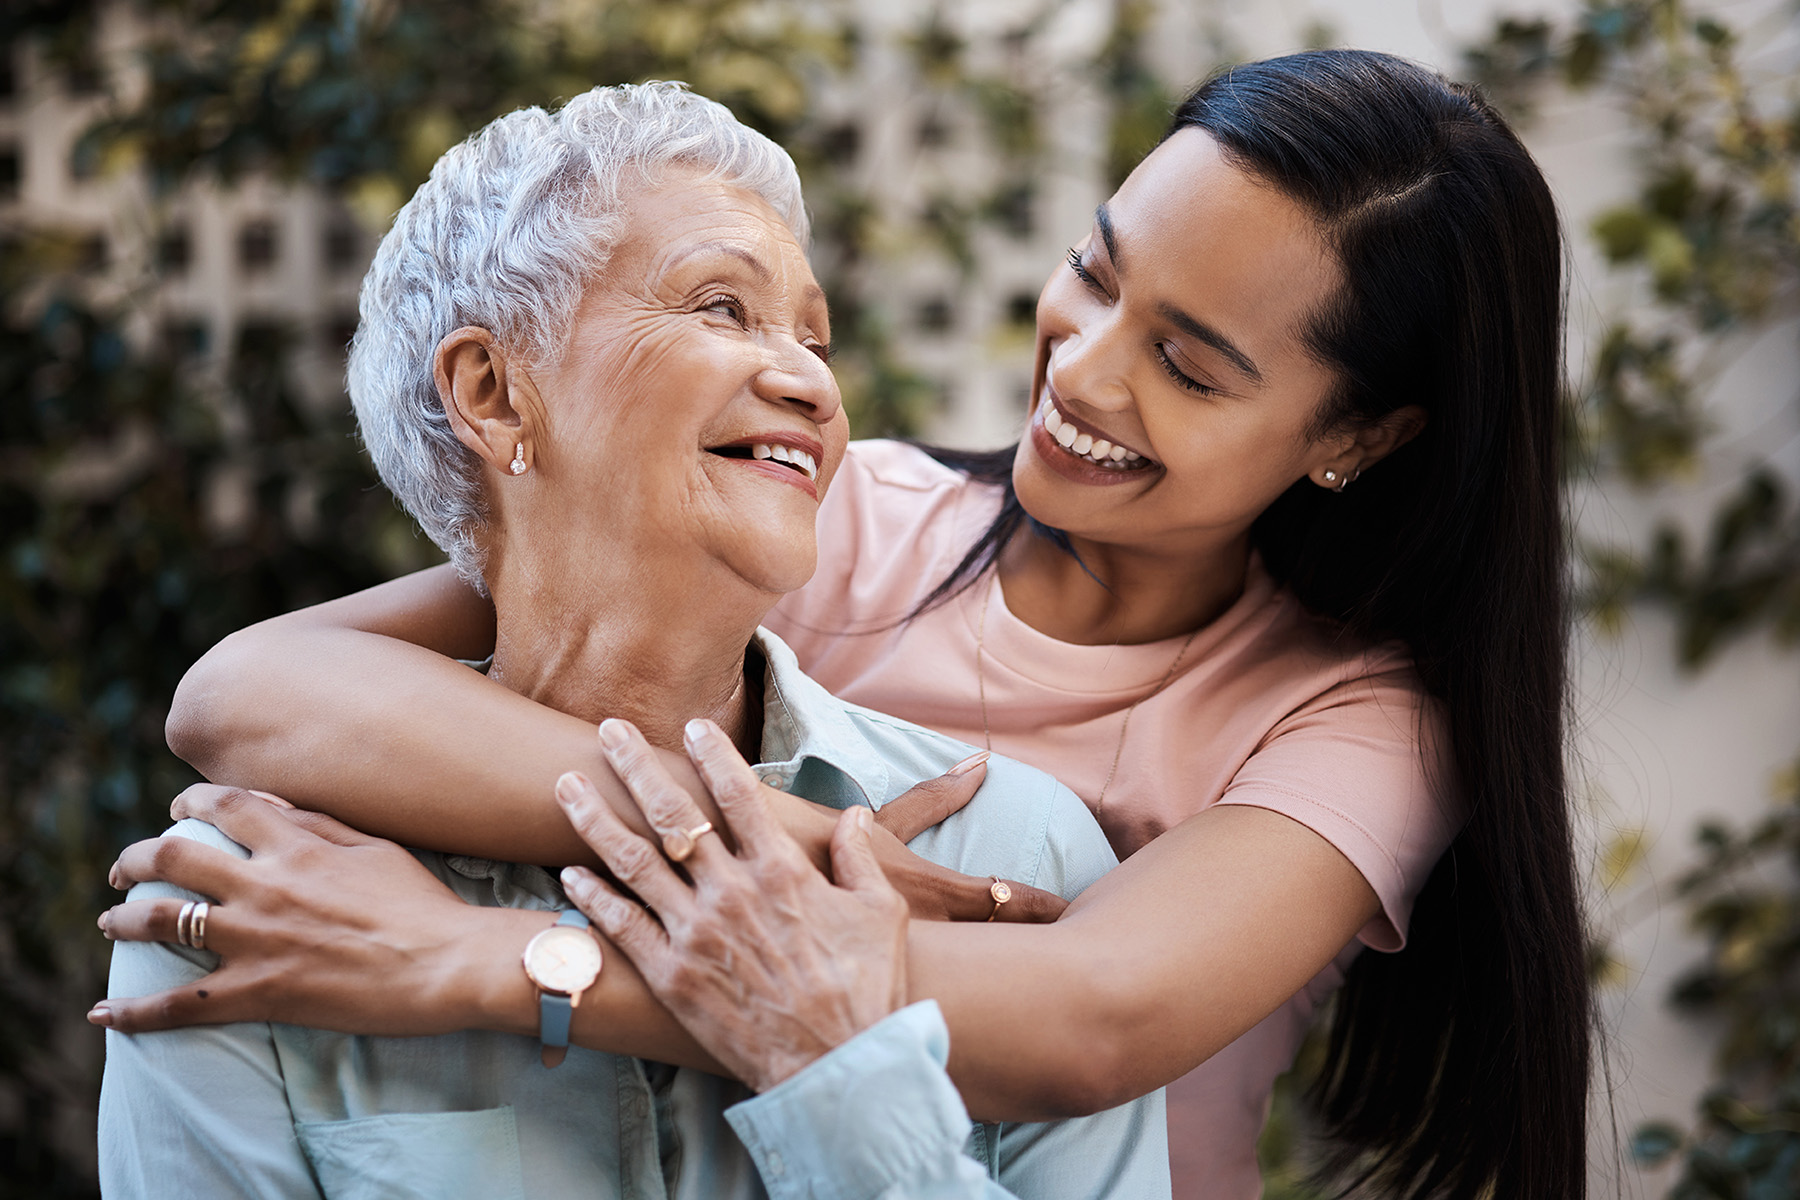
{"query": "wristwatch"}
pixel 562 962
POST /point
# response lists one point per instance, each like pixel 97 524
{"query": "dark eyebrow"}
pixel 1199 330
pixel 763 274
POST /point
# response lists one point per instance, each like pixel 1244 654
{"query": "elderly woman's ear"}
pixel 492 407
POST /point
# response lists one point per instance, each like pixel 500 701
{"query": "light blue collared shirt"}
pixel 283 1111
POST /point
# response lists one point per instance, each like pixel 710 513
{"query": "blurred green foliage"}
pixel 1712 235
pixel 156 499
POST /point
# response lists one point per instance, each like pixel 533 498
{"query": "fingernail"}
pixel 571 787
pixel 970 763
pixel 100 1015
pixel 613 735
pixel 277 801
pixel 574 884
pixel 102 921
pixel 112 876
pixel 865 820
pixel 697 731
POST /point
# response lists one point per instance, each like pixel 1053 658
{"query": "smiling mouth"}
pixel 791 457
pixel 1078 442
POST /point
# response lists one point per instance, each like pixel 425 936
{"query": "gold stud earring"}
pixel 518 462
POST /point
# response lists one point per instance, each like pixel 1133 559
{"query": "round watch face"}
pixel 563 959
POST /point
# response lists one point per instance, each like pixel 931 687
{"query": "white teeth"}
pixel 1086 445
pixel 787 454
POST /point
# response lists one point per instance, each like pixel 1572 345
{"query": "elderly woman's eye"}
pixel 823 350
pixel 728 306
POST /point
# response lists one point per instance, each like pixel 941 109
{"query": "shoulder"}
pixel 1022 824
pixel 892 524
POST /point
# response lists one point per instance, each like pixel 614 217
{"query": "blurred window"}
pixel 1015 208
pixel 935 315
pixel 91 253
pixel 174 250
pixel 1021 308
pixel 184 338
pixel 933 132
pixel 840 144
pixel 256 244
pixel 343 246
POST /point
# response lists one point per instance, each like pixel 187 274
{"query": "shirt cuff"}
pixel 875 1112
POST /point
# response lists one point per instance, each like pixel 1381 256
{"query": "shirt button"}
pixel 776 1167
pixel 772 778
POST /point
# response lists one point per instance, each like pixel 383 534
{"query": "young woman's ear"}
pixel 487 402
pixel 1366 447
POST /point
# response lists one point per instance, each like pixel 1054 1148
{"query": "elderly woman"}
pixel 592 364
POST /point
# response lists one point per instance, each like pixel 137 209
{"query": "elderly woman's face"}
pixel 691 410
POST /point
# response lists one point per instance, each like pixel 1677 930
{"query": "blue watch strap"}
pixel 555 1011
pixel 553 1020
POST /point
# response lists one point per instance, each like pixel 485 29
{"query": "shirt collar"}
pixel 803 722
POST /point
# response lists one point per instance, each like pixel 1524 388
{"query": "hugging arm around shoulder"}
pixel 331 707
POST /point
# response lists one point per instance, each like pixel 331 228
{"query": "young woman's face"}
pixel 1175 397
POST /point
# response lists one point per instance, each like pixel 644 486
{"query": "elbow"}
pixel 1103 1078
pixel 197 729
pixel 1116 1053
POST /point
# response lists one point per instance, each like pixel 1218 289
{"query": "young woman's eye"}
pixel 1181 377
pixel 1081 272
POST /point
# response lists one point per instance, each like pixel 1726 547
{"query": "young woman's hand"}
pixel 765 961
pixel 932 892
pixel 321 926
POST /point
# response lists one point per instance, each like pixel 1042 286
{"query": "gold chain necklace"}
pixel 987 735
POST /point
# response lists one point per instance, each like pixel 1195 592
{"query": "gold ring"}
pixel 197 925
pixel 1001 891
pixel 679 846
pixel 182 920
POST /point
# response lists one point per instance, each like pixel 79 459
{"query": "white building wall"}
pixel 1657 749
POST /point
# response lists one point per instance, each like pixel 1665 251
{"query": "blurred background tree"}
pixel 1711 239
pixel 165 484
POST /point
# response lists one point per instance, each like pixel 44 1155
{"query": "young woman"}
pixel 1274 582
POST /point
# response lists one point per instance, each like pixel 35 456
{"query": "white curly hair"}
pixel 505 235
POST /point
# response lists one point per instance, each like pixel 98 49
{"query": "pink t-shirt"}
pixel 1268 708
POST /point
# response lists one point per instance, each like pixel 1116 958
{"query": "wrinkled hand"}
pixel 767 963
pixel 321 926
pixel 932 892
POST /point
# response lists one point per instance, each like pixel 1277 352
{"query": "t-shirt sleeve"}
pixel 1363 765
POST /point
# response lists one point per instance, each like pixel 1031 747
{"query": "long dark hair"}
pixel 1459 1066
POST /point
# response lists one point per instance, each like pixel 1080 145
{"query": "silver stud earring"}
pixel 518 462
pixel 1331 477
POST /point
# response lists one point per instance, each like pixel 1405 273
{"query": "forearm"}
pixel 1161 964
pixel 376 732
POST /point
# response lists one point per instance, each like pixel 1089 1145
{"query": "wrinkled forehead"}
pixel 678 213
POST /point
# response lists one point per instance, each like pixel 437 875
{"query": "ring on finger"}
pixel 679 846
pixel 183 921
pixel 197 925
pixel 1001 891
